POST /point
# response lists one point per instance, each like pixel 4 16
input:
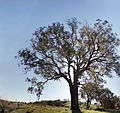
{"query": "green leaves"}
pixel 66 51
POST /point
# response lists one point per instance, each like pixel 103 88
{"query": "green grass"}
pixel 14 107
pixel 49 109
pixel 41 109
pixel 92 111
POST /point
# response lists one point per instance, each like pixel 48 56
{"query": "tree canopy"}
pixel 90 91
pixel 107 99
pixel 71 52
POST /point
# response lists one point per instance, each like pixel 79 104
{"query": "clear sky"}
pixel 20 18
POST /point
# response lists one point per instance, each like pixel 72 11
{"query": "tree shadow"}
pixel 76 111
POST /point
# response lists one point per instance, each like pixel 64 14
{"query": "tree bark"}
pixel 74 99
pixel 88 104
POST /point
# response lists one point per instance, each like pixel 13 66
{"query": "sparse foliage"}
pixel 89 92
pixel 107 99
pixel 71 53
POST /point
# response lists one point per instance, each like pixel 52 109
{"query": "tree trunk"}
pixel 74 99
pixel 88 104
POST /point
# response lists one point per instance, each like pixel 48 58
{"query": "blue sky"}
pixel 20 18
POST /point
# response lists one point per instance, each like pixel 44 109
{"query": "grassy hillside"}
pixel 41 107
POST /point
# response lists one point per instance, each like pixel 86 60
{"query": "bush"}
pixel 51 103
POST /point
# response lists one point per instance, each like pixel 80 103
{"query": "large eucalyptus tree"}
pixel 71 52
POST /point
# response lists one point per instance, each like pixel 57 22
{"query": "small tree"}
pixel 70 53
pixel 107 98
pixel 89 92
